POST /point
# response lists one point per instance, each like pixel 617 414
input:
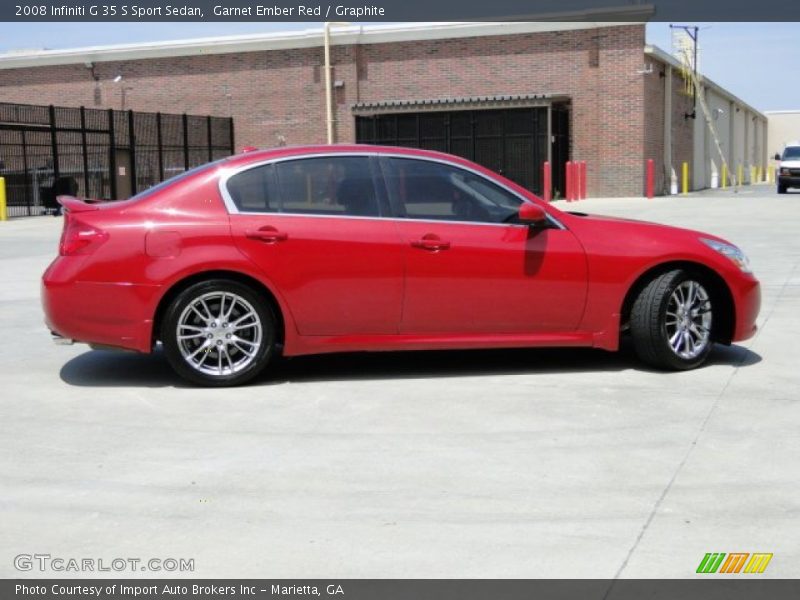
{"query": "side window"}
pixel 429 190
pixel 254 190
pixel 337 185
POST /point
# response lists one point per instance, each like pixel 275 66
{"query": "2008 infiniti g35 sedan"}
pixel 365 248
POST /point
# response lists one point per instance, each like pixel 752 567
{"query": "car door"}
pixel 314 226
pixel 471 267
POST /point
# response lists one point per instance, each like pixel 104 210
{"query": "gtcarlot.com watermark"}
pixel 60 564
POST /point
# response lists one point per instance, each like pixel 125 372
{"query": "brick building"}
pixel 508 95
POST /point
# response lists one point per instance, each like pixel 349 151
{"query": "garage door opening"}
pixel 514 142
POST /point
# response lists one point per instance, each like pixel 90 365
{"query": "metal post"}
pixel 29 194
pixel 549 144
pixel 208 127
pixel 3 203
pixel 85 153
pixel 232 137
pixel 326 40
pixel 185 141
pixel 650 180
pixel 112 155
pixel 685 179
pixel 584 182
pixel 160 142
pixel 54 142
pixel 132 149
pixel 546 181
pixel 569 181
pixel 667 166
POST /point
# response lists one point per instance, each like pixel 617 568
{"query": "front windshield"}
pixel 791 153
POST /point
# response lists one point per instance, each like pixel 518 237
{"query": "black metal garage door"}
pixel 512 142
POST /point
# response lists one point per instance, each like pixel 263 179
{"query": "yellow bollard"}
pixel 724 176
pixel 3 205
pixel 685 172
pixel 740 175
pixel 771 174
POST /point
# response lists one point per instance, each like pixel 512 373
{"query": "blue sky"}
pixel 756 61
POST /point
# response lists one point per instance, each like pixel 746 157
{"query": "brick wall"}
pixel 278 96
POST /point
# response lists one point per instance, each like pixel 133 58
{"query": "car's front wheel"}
pixel 671 321
pixel 218 333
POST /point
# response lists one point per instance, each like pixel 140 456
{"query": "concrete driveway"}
pixel 547 463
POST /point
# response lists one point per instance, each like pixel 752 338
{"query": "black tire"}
pixel 649 322
pixel 262 346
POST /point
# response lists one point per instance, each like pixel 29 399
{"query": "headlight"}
pixel 784 171
pixel 731 252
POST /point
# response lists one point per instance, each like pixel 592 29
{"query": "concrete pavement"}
pixel 547 463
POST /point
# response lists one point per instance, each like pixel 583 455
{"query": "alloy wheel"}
pixel 219 333
pixel 688 320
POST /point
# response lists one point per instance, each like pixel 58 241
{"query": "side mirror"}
pixel 532 213
pixel 777 157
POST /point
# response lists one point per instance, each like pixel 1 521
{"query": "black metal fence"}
pixel 96 153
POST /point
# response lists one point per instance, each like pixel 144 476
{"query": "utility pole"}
pixel 693 32
pixel 326 42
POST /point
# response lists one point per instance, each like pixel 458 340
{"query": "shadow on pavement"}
pixel 122 369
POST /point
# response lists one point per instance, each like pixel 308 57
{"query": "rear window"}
pixel 329 186
pixel 176 179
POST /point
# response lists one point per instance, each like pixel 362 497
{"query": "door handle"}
pixel 430 243
pixel 267 234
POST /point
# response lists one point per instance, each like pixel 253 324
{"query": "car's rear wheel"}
pixel 218 333
pixel 671 321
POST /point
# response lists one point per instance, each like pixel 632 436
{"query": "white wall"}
pixel 742 134
pixel 783 127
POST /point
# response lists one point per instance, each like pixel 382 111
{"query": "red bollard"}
pixel 576 191
pixel 546 181
pixel 650 181
pixel 583 180
pixel 569 182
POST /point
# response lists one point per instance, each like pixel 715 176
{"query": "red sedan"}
pixel 363 248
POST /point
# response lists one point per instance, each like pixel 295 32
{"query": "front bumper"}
pixel 747 300
pixel 109 314
pixel 789 180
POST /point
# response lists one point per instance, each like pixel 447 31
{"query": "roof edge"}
pixel 307 38
pixel 667 58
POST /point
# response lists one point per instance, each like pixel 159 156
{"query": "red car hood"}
pixel 643 226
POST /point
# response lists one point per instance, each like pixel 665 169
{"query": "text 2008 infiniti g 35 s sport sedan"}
pixel 359 248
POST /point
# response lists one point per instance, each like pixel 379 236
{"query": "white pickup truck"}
pixel 789 167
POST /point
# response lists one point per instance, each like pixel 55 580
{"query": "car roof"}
pixel 260 155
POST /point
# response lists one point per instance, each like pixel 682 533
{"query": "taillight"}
pixel 79 237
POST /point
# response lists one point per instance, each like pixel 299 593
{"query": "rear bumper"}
pixel 110 314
